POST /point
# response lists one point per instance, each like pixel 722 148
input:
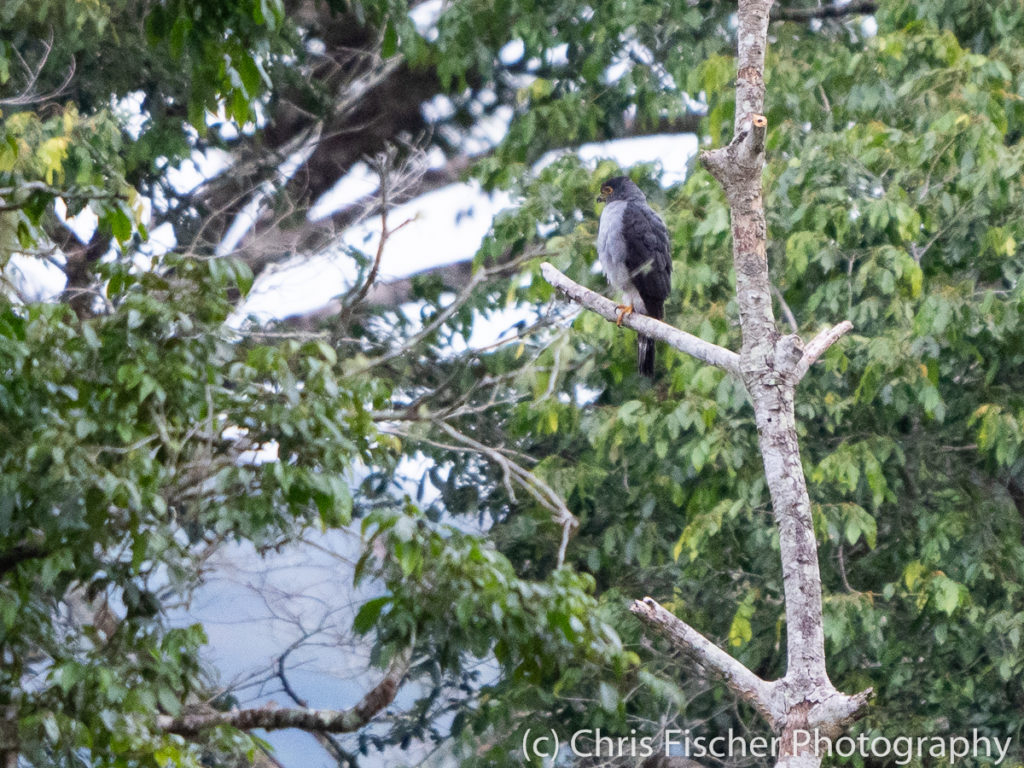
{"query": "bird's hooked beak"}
pixel 605 194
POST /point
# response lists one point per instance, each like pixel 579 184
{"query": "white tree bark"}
pixel 685 342
pixel 771 366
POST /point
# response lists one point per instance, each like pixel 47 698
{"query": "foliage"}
pixel 142 434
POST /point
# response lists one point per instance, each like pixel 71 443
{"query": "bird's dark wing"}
pixel 648 257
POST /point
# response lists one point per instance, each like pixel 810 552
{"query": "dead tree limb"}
pixel 720 357
pixel 770 366
pixel 272 718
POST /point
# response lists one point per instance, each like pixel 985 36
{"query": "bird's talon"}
pixel 621 310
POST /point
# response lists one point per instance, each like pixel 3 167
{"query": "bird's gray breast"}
pixel 611 245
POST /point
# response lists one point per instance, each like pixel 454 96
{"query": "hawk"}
pixel 633 246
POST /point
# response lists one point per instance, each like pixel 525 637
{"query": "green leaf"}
pixel 179 33
pixel 389 46
pixel 677 549
pixel 243 276
pixel 946 594
pixel 120 224
pixel 169 701
pixel 52 154
pixel 740 631
pixel 249 71
pixel 912 574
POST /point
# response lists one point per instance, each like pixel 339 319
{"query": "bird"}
pixel 635 253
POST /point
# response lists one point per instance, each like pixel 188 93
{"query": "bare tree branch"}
pixel 752 689
pixel 19 553
pixel 28 94
pixel 273 718
pixel 819 345
pixel 71 193
pixel 384 163
pixel 326 740
pixel 390 294
pixel 277 238
pixel 738 168
pixel 276 242
pixel 543 493
pixel 705 351
pixel 837 10
pixel 513 475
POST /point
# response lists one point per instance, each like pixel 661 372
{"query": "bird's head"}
pixel 619 188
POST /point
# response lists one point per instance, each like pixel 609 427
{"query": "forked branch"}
pixel 771 365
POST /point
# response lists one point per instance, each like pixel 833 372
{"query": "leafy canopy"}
pixel 894 199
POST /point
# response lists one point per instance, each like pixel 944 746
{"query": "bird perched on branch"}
pixel 633 246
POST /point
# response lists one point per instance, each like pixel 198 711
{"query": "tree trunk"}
pixel 770 366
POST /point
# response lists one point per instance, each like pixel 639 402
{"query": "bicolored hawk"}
pixel 633 246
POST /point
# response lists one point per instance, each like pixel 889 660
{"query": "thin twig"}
pixel 513 474
pixel 478 277
pixel 842 568
pixel 786 311
pixel 383 163
pixel 26 96
pixel 327 740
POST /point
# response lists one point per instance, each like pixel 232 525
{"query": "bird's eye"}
pixel 606 190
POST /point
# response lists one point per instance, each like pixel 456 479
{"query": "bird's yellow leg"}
pixel 622 310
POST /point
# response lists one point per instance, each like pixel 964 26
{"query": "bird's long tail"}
pixel 645 344
pixel 645 356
